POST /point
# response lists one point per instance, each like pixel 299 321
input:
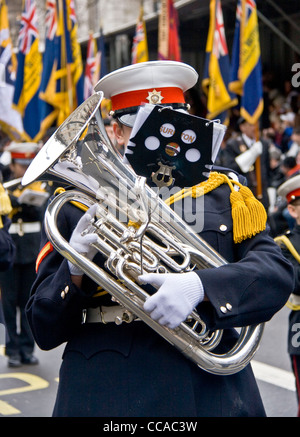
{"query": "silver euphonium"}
pixel 138 233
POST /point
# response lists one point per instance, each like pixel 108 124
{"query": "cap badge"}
pixel 154 97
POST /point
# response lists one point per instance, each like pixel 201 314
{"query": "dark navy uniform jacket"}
pixel 27 244
pixel 7 252
pixel 129 370
pixel 7 246
pixel 294 317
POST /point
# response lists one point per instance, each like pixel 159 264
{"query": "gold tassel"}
pixel 241 218
pixel 5 204
pixel 256 209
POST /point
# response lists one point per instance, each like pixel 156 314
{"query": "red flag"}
pixel 168 36
pixel 92 67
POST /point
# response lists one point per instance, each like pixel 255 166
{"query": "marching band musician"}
pixel 7 247
pixel 26 215
pixel 290 245
pixel 128 370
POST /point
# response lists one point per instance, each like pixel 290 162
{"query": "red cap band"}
pixel 154 96
pixel 292 195
pixel 18 155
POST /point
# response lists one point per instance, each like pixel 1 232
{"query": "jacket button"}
pixel 223 309
pixel 67 289
pixel 229 307
pixel 223 228
pixel 63 294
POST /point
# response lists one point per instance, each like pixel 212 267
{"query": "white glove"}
pixel 5 158
pixel 246 159
pixel 81 242
pixel 177 296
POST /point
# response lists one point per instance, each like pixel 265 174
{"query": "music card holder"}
pixel 171 147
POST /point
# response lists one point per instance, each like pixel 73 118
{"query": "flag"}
pixel 92 67
pixel 10 119
pixel 246 72
pixel 78 72
pixel 106 103
pixel 168 37
pixel 139 52
pixel 28 80
pixel 64 90
pixel 217 67
pixel 102 54
pixel 48 113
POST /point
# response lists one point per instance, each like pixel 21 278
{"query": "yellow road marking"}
pixel 8 410
pixel 34 383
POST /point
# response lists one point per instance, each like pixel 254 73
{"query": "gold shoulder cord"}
pixel 78 204
pixel 286 242
pixel 249 216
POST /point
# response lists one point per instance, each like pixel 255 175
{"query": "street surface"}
pixel 29 391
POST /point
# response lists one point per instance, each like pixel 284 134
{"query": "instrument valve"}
pixel 127 317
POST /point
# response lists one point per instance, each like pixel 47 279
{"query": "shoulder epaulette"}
pixel 79 205
pixel 283 240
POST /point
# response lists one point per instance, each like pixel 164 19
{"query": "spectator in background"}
pixel 295 145
pixel 241 153
pixel 287 120
pixel 274 132
pixel 277 177
pixel 289 167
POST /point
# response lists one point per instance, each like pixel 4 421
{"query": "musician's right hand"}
pixel 177 296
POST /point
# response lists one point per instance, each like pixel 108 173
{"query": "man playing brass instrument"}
pixel 112 369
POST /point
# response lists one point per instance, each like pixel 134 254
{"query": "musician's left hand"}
pixel 177 296
pixel 82 239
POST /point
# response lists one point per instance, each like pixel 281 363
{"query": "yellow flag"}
pixel 139 51
pixel 217 66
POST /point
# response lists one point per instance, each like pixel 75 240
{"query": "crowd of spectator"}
pixel 280 129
